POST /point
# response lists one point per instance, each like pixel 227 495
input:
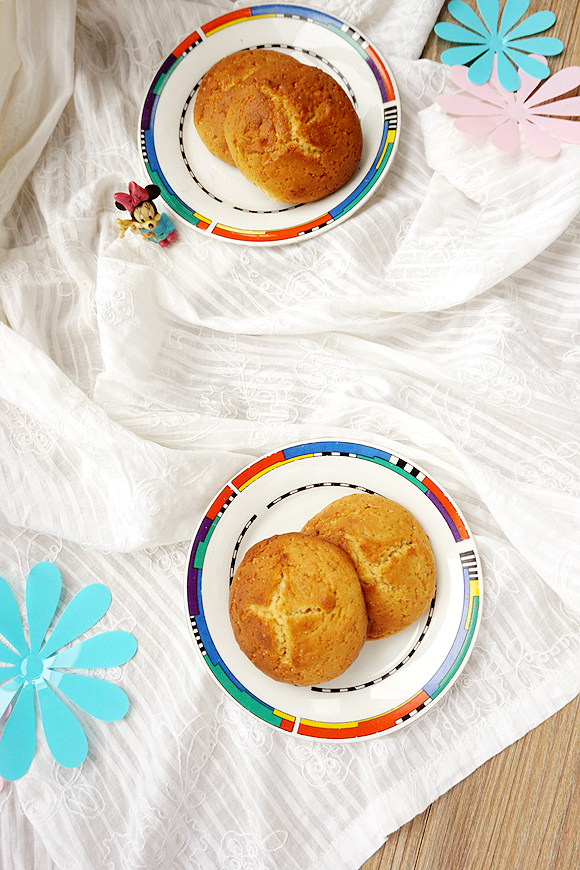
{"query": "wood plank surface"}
pixel 520 810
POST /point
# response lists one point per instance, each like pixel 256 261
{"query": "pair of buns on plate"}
pixel 288 126
pixel 303 603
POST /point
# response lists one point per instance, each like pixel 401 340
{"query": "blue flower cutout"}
pixel 37 672
pixel 483 39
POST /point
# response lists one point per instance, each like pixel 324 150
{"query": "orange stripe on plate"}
pixel 261 465
pixel 219 502
pixel 383 72
pixel 193 37
pixel 366 726
pixel 448 507
pixel 267 235
pixel 226 19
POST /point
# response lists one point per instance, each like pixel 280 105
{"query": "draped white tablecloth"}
pixel 440 320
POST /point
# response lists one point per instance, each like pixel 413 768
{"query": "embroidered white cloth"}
pixel 441 320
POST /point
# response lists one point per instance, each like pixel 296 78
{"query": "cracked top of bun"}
pixel 217 88
pixel 292 131
pixel 297 609
pixel 391 553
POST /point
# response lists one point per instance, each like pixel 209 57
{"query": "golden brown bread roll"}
pixel 391 553
pixel 216 90
pixel 293 132
pixel 297 609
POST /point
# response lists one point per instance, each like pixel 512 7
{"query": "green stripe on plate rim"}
pixel 246 700
pixel 398 470
pixel 203 545
pixel 175 203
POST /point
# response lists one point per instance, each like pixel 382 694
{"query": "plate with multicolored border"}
pixel 393 680
pixel 214 197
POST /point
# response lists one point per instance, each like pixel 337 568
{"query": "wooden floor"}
pixel 520 810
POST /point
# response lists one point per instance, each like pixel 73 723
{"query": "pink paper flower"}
pixel 534 111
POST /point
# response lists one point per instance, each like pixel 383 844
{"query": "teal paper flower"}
pixel 37 672
pixel 482 39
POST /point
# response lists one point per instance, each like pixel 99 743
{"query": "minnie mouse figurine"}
pixel 138 202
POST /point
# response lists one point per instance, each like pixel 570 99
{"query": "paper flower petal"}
pixel 64 734
pixel 467 16
pixel 533 109
pixel 535 23
pixel 528 82
pixel 461 54
pixel 10 621
pixel 512 32
pixel 480 70
pixel 567 131
pixel 454 33
pixel 479 126
pixel 106 650
pixel 9 690
pixel 459 75
pixel 562 82
pixel 506 73
pixel 457 104
pixel 43 589
pixel 538 141
pixel 513 11
pixel 538 45
pixel 34 673
pixel 85 609
pixel 18 740
pixel 558 108
pixel 101 699
pixel 489 10
pixel 506 137
pixel 538 69
pixel 8 656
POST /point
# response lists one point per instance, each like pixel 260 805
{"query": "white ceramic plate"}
pixel 394 679
pixel 214 197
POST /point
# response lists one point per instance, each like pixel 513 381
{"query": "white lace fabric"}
pixel 440 320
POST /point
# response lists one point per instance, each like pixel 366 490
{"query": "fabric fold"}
pixel 37 47
pixel 112 489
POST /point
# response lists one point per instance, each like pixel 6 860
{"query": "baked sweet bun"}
pixel 297 609
pixel 391 553
pixel 293 131
pixel 216 90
